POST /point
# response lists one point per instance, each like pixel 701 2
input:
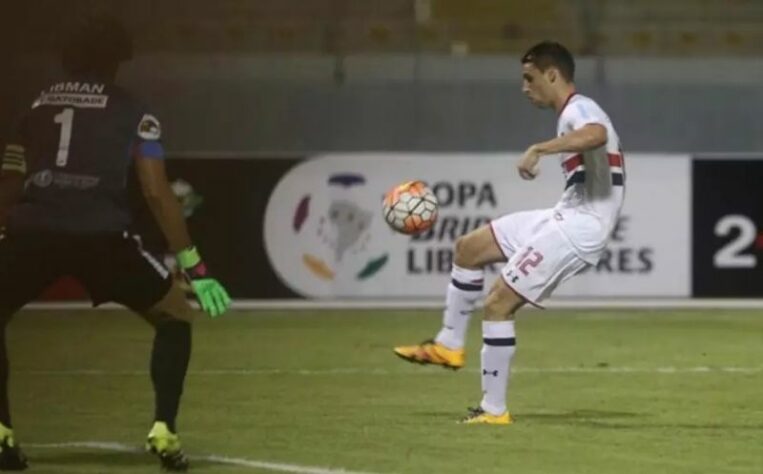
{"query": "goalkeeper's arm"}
pixel 12 175
pixel 11 188
pixel 169 216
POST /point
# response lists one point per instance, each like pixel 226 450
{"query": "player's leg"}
pixel 472 252
pixel 498 347
pixel 26 269
pixel 132 277
pixel 11 457
pixel 171 317
pixel 530 276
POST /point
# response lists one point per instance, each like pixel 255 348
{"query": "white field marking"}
pixel 412 372
pixel 403 304
pixel 125 448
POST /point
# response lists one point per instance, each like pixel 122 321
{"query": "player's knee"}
pixel 157 317
pixel 183 313
pixel 177 308
pixel 462 253
pixel 495 309
pixel 174 306
pixel 500 306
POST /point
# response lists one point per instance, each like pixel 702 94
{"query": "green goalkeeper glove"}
pixel 213 298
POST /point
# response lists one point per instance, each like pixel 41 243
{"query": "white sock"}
pixel 497 350
pixel 464 290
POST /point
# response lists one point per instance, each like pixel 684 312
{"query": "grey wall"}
pixel 308 104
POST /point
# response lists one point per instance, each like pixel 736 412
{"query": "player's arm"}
pixel 13 168
pixel 588 137
pixel 168 213
pixel 11 188
pixel 162 202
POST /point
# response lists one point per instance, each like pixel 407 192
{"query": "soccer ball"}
pixel 410 208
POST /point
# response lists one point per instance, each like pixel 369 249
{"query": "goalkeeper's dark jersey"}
pixel 76 146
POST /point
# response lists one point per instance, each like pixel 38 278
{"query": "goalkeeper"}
pixel 63 205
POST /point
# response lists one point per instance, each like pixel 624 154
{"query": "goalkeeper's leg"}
pixel 171 318
pixel 11 456
pixel 120 270
pixel 27 266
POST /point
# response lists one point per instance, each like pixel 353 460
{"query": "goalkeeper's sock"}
pixel 464 290
pixel 497 350
pixel 5 411
pixel 169 363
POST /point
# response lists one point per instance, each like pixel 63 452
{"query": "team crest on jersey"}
pixel 43 179
pixel 149 128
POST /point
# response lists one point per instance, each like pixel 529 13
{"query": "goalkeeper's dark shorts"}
pixel 111 267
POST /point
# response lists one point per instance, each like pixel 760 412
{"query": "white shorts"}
pixel 539 255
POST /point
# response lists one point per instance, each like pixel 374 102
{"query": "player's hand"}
pixel 213 298
pixel 528 165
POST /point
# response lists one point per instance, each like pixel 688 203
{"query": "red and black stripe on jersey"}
pixel 576 167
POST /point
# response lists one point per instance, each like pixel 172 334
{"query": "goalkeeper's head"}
pixel 96 47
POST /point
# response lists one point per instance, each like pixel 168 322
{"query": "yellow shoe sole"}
pixel 487 419
pixel 415 360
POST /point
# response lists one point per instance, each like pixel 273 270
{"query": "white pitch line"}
pixel 311 305
pixel 415 372
pixel 241 462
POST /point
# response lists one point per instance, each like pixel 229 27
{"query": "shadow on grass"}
pixel 620 420
pixel 576 415
pixel 721 427
pixel 550 417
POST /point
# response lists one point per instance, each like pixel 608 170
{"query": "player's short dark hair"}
pixel 551 54
pixel 96 46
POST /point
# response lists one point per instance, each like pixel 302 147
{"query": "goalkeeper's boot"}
pixel 166 445
pixel 11 456
pixel 478 416
pixel 431 352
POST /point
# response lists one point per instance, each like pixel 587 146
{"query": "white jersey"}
pixel 594 182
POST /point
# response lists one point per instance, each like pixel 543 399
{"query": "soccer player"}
pixel 63 204
pixel 542 248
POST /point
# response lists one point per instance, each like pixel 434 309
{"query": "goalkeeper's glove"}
pixel 213 298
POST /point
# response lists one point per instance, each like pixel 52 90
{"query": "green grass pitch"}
pixel 593 392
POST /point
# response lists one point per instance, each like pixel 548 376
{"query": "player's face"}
pixel 536 86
